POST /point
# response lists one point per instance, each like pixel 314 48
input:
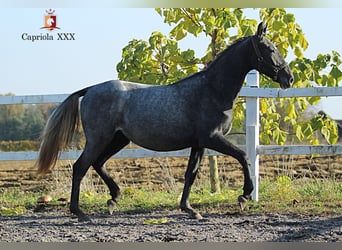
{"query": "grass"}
pixel 281 196
pixel 304 197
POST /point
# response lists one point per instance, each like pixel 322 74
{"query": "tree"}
pixel 33 122
pixel 11 124
pixel 160 61
pixel 23 121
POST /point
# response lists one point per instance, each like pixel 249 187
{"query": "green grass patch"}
pixel 306 197
pixel 281 196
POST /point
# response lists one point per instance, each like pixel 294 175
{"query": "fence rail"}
pixel 32 99
pixel 252 92
pixel 245 92
pixel 145 153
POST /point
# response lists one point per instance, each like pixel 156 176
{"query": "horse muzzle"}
pixel 285 78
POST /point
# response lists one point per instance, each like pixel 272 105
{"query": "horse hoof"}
pixel 111 206
pixel 242 202
pixel 195 215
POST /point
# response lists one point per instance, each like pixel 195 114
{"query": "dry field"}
pixel 168 173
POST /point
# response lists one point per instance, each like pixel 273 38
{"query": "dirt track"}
pixel 58 226
pixel 165 174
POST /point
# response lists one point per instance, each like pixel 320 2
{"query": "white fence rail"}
pixel 252 92
pixel 245 92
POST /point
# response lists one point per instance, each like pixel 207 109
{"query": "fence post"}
pixel 214 175
pixel 252 131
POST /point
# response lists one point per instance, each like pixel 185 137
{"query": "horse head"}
pixel 268 59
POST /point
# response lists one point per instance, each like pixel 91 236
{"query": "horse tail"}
pixel 58 131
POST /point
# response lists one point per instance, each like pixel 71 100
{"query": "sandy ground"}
pixel 168 173
pixel 170 226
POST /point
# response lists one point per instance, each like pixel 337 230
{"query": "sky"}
pixel 61 67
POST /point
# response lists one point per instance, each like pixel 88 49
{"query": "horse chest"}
pixel 220 122
pixel 227 119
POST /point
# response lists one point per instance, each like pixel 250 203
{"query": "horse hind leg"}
pixel 93 150
pixel 118 142
pixel 190 175
pixel 80 168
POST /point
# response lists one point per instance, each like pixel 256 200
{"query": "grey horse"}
pixel 195 112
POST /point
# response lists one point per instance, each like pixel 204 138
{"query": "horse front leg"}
pixel 222 145
pixel 190 175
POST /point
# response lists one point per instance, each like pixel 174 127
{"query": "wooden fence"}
pixel 252 92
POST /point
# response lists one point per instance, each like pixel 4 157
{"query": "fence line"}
pixel 145 153
pixel 252 92
pixel 125 153
pixel 245 92
pixel 33 99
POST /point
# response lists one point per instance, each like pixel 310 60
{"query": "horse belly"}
pixel 159 135
pixel 161 143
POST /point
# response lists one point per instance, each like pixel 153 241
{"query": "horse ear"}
pixel 262 27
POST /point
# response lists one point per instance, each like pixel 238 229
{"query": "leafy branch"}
pixel 160 61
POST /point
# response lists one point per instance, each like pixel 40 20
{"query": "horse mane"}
pixel 228 49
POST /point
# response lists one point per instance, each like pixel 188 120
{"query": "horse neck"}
pixel 228 72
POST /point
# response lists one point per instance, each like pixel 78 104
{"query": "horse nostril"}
pixel 291 80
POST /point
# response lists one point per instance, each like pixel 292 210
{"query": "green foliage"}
pixel 284 185
pixel 299 196
pixel 15 201
pixel 5 211
pixel 160 61
pixel 284 31
pixel 33 122
pixel 157 61
pixel 24 145
pixel 23 122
